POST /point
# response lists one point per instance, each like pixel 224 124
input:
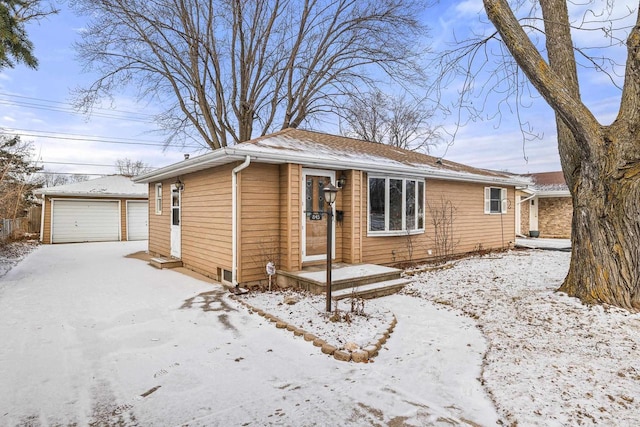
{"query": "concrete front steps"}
pixel 165 263
pixel 360 280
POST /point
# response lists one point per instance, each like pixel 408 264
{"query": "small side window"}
pixel 495 200
pixel 158 199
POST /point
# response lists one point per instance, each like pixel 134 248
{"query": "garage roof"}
pixel 106 186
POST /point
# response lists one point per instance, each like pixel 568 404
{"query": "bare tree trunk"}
pixel 605 252
pixel 601 163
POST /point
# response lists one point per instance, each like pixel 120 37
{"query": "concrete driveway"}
pixel 91 337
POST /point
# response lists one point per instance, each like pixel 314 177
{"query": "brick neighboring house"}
pixel 546 207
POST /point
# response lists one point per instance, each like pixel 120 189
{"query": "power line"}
pixel 68 108
pixel 69 173
pixel 91 138
pixel 80 164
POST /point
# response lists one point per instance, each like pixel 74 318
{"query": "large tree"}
pixel 601 163
pixel 15 46
pixel 396 120
pixel 16 176
pixel 229 70
pixel 128 167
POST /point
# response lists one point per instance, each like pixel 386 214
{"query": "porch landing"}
pixel 361 280
pixel 161 263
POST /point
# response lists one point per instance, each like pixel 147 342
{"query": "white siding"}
pixel 85 221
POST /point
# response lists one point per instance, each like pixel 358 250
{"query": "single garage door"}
pixel 85 221
pixel 137 220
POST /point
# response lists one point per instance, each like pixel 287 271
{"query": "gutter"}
pixel 269 156
pixel 234 219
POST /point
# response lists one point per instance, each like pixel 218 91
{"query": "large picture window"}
pixel 396 205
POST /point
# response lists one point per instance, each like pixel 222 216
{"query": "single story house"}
pixel 227 213
pixel 110 208
pixel 546 208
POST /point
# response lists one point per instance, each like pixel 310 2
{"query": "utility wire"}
pixel 68 108
pixel 80 164
pixel 91 138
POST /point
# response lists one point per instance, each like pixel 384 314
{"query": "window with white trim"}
pixel 396 205
pixel 158 199
pixel 495 200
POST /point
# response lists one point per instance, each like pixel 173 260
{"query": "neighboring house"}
pixel 228 212
pixel 111 208
pixel 546 208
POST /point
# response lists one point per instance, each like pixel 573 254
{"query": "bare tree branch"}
pixel 224 71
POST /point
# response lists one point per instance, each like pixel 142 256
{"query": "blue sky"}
pixel 35 103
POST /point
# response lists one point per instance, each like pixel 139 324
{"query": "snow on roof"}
pixel 549 184
pixel 106 186
pixel 322 150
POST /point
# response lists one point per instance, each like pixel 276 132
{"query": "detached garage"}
pixel 111 208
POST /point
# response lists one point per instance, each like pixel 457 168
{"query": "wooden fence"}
pixel 18 227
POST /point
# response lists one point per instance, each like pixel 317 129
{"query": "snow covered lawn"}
pixel 550 360
pixel 90 337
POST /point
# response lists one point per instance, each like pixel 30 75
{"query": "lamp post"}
pixel 330 192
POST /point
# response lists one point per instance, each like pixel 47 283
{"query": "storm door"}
pixel 314 225
pixel 176 232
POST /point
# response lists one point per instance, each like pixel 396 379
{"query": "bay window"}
pixel 396 205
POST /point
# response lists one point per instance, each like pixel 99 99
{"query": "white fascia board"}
pixel 97 195
pixel 217 157
pixel 404 170
pixel 230 154
pixel 553 193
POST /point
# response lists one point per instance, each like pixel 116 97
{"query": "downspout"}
pixel 234 219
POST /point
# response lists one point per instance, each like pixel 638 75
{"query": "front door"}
pixel 176 237
pixel 314 225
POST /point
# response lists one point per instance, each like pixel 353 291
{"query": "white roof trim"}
pixel 262 155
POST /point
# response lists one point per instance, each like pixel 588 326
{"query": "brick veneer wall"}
pixel 524 217
pixel 554 217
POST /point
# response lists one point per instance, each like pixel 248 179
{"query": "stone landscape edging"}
pixel 362 355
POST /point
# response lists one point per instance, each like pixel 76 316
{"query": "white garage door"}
pixel 85 221
pixel 137 217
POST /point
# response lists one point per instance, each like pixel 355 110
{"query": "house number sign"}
pixel 315 216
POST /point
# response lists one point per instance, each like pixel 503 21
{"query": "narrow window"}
pixel 377 204
pixel 158 199
pixel 410 203
pixel 395 204
pixel 420 205
pixel 175 206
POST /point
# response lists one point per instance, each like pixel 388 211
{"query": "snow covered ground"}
pixel 90 337
pixel 550 361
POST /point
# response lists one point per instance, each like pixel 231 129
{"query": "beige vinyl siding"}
pixel 290 186
pixel 352 224
pixel 259 226
pixel 473 229
pixel 159 225
pixel 46 226
pixel 206 221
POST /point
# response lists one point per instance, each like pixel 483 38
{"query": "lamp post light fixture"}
pixel 330 192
